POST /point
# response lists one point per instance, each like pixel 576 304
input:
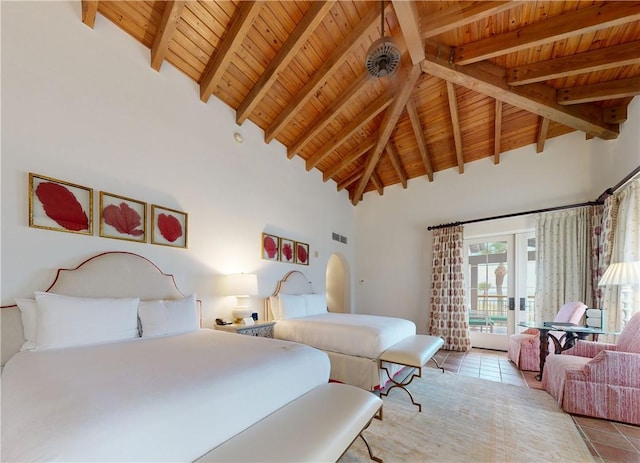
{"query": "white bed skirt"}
pixel 360 371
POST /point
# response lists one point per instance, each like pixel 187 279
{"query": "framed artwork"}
pixel 168 227
pixel 270 247
pixel 61 206
pixel 287 251
pixel 302 253
pixel 122 218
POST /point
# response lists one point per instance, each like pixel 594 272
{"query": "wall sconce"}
pixel 242 286
pixel 623 274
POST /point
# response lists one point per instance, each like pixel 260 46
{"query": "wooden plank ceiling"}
pixel 476 78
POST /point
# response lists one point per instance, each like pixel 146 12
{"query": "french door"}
pixel 500 286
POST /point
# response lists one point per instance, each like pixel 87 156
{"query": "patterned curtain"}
pixel 602 244
pixel 448 317
pixel 564 260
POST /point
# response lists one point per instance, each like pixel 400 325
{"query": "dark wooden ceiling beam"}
pixel 168 25
pixel 240 24
pixel 497 133
pixel 349 180
pixel 409 20
pixel 377 183
pixel 363 148
pixel 328 115
pixel 600 91
pixel 543 129
pixel 375 108
pixel 392 152
pixel 406 81
pixel 582 21
pixel 365 26
pixel 464 13
pixel 589 61
pixel 287 52
pixel 616 115
pixel 89 12
pixel 539 99
pixel 455 124
pixel 418 132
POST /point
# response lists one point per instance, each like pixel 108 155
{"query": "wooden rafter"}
pixel 458 15
pixel 287 52
pixel 455 123
pixel 616 115
pixel 600 91
pixel 363 148
pixel 89 11
pixel 582 21
pixel 392 152
pixel 543 128
pixel 349 180
pixel 368 22
pixel 377 183
pixel 407 81
pixel 168 25
pixel 240 24
pixel 497 132
pixel 418 132
pixel 588 61
pixel 539 99
pixel 409 20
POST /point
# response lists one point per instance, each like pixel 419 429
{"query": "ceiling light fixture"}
pixel 383 56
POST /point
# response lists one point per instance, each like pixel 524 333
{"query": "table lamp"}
pixel 242 286
pixel 623 274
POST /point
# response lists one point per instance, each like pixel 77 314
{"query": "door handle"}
pixel 512 303
pixel 523 304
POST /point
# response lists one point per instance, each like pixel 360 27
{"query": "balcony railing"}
pixel 490 313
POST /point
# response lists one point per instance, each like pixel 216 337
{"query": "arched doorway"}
pixel 338 284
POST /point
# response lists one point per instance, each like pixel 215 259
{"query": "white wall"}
pixel 84 106
pixel 393 247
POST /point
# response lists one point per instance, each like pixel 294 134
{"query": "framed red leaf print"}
pixel 168 227
pixel 58 205
pixel 287 251
pixel 302 253
pixel 270 247
pixel 122 218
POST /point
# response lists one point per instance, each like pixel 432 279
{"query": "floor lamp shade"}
pixel 242 286
pixel 625 274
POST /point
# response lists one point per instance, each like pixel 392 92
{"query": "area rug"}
pixel 466 419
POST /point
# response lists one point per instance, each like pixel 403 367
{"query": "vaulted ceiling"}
pixel 476 78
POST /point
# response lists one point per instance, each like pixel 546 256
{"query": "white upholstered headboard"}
pixel 294 282
pixel 110 274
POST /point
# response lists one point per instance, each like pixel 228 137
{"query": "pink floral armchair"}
pixel 599 379
pixel 524 348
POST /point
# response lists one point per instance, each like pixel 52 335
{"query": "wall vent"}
pixel 339 238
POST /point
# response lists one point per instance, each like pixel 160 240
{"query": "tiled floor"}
pixel 609 441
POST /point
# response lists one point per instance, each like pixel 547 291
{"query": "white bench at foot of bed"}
pixel 413 351
pixel 316 427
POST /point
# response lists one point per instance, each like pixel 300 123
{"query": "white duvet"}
pixel 351 334
pixel 154 399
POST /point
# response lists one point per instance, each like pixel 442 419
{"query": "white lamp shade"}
pixel 242 284
pixel 621 273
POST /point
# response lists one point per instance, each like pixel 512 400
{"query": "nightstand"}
pixel 260 328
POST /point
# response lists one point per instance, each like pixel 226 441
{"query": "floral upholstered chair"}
pixel 524 348
pixel 599 379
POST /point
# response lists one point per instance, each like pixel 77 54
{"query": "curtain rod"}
pixel 600 200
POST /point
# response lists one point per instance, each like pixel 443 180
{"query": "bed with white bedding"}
pixel 91 390
pixel 353 342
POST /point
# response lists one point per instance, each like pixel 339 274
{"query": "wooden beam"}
pixel 377 183
pixel 461 14
pixel 89 11
pixel 582 21
pixel 412 111
pixel 348 45
pixel 409 20
pixel 497 133
pixel 406 82
pixel 287 52
pixel 489 79
pixel 392 152
pixel 543 128
pixel 364 147
pixel 455 123
pixel 327 116
pixel 168 25
pixel 616 115
pixel 600 91
pixel 350 180
pixel 590 61
pixel 375 108
pixel 239 26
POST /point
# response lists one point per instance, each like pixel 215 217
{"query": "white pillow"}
pixel 160 318
pixel 292 306
pixel 316 303
pixel 64 321
pixel 28 313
